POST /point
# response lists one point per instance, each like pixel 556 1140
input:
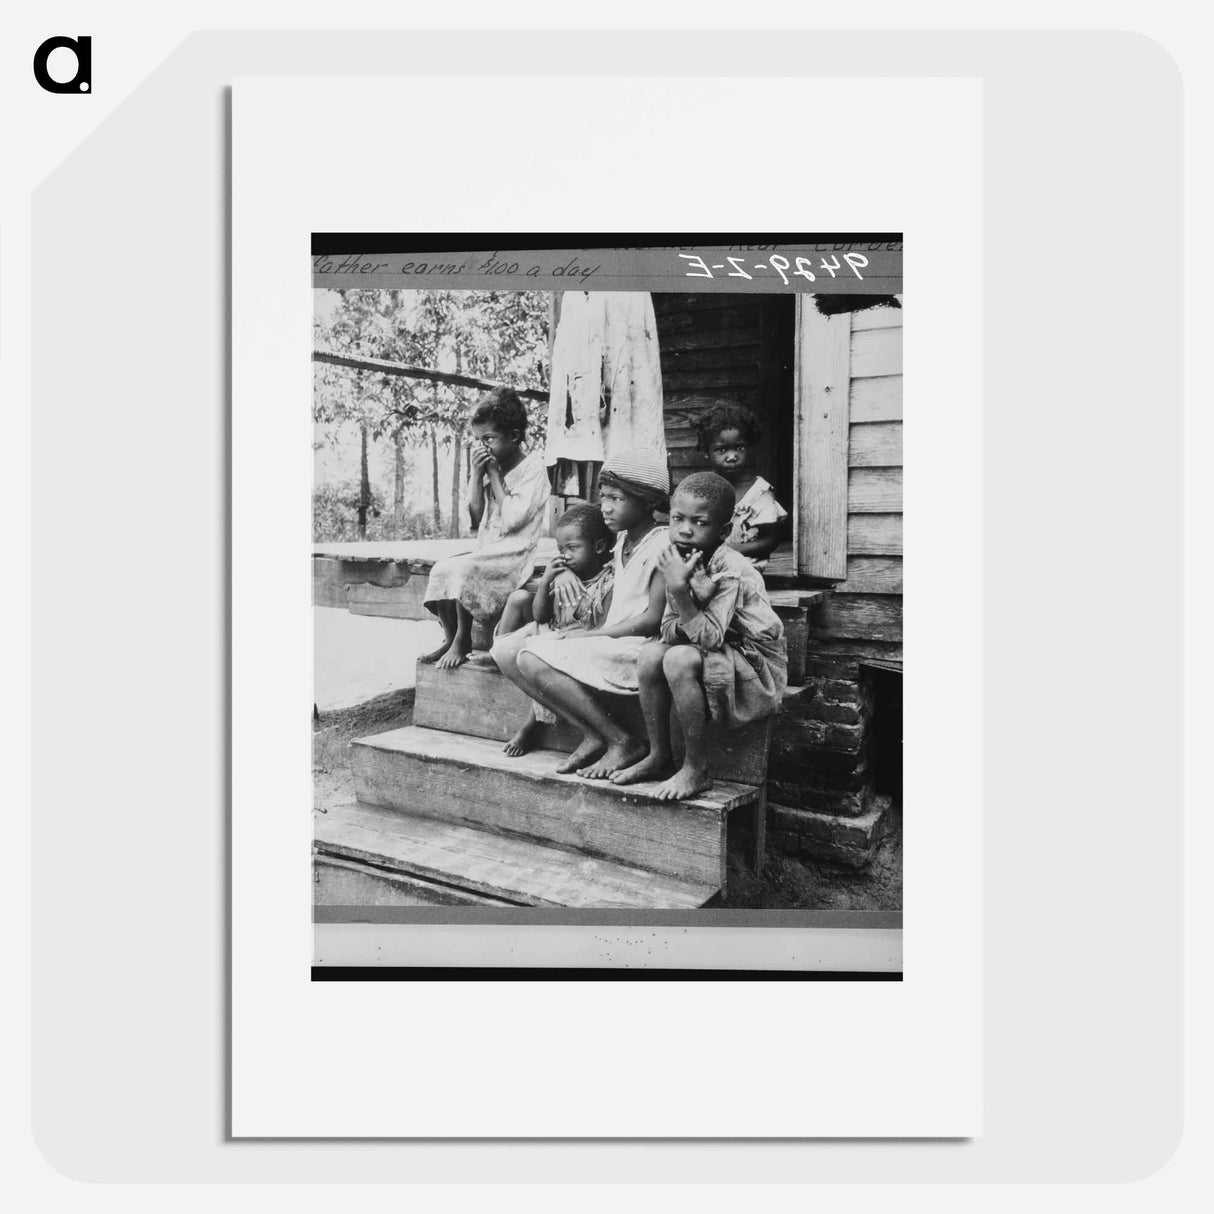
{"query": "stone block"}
pixel 817 667
pixel 850 841
pixel 841 714
pixel 793 754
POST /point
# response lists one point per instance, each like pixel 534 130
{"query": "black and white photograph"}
pixel 607 578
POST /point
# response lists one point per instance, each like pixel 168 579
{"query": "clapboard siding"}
pixel 866 607
pixel 874 491
pixel 876 352
pixel 862 617
pixel 878 399
pixel 875 445
pixel 872 575
pixel 876 318
pixel 874 535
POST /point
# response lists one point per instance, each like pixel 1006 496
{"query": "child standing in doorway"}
pixel 568 673
pixel 720 658
pixel 584 543
pixel 507 495
pixel 727 435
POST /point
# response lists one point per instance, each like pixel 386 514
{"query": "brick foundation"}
pixel 820 774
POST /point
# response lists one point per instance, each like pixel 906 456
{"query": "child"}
pixel 584 543
pixel 564 671
pixel 723 661
pixel 727 433
pixel 506 499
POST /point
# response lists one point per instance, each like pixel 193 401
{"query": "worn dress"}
pixel 757 507
pixel 606 383
pixel 741 640
pixel 482 580
pixel 588 612
pixel 609 663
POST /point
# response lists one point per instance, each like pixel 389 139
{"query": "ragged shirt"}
pixel 738 614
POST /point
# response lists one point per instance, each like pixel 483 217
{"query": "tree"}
pixel 493 335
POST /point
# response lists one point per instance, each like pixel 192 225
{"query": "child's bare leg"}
pixel 515 614
pixel 601 736
pixel 444 609
pixel 655 705
pixel 684 670
pixel 506 653
pixel 520 744
pixel 457 650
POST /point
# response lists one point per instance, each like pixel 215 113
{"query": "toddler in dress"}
pixel 584 544
pixel 727 435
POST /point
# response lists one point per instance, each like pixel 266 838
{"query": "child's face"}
pixel 580 554
pixel 694 525
pixel 501 444
pixel 620 510
pixel 729 453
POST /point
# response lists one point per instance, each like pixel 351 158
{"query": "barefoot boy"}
pixel 720 658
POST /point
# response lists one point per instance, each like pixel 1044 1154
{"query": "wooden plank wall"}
pixel 727 348
pixel 865 611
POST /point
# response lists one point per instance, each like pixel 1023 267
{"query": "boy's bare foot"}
pixel 455 656
pixel 592 746
pixel 434 655
pixel 520 744
pixel 614 758
pixel 686 783
pixel 652 767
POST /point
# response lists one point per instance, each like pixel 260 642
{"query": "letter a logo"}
pixel 82 81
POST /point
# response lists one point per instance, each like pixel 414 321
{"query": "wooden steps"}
pixel 443 817
pixel 354 883
pixel 794 607
pixel 479 701
pixel 437 857
pixel 471 782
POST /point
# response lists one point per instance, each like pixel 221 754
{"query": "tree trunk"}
pixel 453 524
pixel 364 488
pixel 457 435
pixel 398 487
pixel 438 514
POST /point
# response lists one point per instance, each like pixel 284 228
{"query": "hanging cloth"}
pixel 606 383
pixel 632 374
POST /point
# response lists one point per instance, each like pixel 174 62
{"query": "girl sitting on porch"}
pixel 507 496
pixel 728 434
pixel 565 672
pixel 584 544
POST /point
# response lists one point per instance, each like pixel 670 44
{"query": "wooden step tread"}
pixel 513 870
pixel 795 599
pixel 479 701
pixel 461 750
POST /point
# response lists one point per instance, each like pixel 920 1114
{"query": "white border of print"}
pixel 615 1058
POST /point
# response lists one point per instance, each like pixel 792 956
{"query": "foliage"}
pixel 501 336
pixel 335 516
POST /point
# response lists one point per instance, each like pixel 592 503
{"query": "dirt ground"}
pixel 787 883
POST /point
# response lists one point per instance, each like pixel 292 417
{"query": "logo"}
pixel 82 81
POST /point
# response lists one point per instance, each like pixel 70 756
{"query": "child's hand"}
pixel 702 587
pixel 481 457
pixel 676 570
pixel 568 590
